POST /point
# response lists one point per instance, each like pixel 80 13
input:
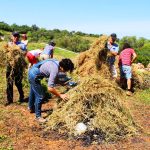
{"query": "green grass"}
pixel 64 53
pixel 144 96
pixel 32 46
pixel 59 53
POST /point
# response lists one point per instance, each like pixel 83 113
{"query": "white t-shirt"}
pixel 25 42
pixel 36 52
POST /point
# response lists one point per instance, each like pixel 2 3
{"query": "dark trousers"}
pixel 14 75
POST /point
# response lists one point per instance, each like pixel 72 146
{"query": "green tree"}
pixel 5 26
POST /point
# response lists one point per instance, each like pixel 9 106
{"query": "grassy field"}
pixel 144 96
pixel 20 131
pixel 58 53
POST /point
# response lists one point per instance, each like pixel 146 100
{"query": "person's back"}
pixel 33 56
pixel 48 51
pixel 125 56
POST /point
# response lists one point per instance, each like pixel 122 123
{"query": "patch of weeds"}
pixel 2 138
pixel 144 96
pixel 8 148
pixel 5 143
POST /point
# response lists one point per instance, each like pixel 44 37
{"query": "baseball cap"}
pixel 16 34
pixel 52 42
pixel 113 35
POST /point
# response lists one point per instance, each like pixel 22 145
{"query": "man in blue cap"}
pixel 15 73
pixel 15 41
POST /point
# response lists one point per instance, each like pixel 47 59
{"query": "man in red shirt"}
pixel 126 57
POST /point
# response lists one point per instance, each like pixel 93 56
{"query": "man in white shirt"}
pixel 112 53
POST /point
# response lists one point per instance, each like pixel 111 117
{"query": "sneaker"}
pixel 41 120
pixel 129 93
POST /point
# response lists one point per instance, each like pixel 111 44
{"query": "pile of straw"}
pixel 99 104
pixel 12 55
pixel 2 54
pixel 15 56
pixel 141 78
pixel 97 101
pixel 93 61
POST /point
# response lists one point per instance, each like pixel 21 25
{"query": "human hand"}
pixel 109 54
pixel 63 96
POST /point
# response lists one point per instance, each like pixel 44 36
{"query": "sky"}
pixel 123 17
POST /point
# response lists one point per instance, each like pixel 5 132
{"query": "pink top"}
pixel 125 56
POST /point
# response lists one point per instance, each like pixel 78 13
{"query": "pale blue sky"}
pixel 124 17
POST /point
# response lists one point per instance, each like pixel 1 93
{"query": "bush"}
pixel 144 54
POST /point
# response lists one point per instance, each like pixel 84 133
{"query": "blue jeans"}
pixel 36 91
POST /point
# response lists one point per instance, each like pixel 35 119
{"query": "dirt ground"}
pixel 20 131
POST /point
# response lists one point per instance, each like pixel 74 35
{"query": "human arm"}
pixel 57 93
pixel 51 53
pixel 112 53
pixel 51 56
pixel 133 57
pixel 51 84
pixel 112 49
pixel 29 66
pixel 23 48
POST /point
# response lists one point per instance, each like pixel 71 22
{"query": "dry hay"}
pixel 99 104
pixel 13 58
pixel 2 54
pixel 93 61
pixel 141 77
pixel 12 55
pixel 96 100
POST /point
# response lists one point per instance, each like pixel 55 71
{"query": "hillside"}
pixel 19 130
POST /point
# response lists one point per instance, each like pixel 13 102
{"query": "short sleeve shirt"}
pixel 20 44
pixel 50 70
pixel 48 50
pixel 113 48
pixel 126 56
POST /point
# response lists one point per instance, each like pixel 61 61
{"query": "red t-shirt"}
pixel 126 56
pixel 31 58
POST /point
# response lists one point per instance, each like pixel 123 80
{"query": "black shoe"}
pixel 21 100
pixel 7 103
pixel 31 110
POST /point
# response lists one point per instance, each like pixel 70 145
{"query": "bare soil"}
pixel 20 131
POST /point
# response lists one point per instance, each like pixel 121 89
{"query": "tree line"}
pixel 70 40
pixel 76 41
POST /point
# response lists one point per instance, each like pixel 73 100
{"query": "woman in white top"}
pixel 24 39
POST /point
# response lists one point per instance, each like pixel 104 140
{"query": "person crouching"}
pixel 49 69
